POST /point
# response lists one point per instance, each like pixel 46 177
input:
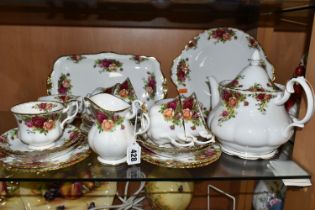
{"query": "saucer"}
pixel 77 154
pixel 10 143
pixel 194 159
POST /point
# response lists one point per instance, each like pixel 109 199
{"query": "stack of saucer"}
pixel 70 148
pixel 169 156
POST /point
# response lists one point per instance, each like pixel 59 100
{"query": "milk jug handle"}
pixel 135 106
pixel 309 99
pixel 69 116
pixel 145 124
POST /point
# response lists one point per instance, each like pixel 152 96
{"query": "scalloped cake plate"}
pixel 218 52
pixel 80 75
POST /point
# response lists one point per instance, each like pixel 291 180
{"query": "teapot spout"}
pixel 214 87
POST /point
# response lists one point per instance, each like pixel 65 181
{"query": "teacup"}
pixel 178 121
pixel 167 125
pixel 39 122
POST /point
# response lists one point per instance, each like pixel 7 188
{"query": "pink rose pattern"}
pixel 64 84
pixel 76 58
pixel 177 111
pixel 125 91
pixel 107 122
pixel 150 85
pixel 171 112
pixel 232 99
pixel 109 65
pixel 192 44
pixel 222 35
pixel 252 43
pixel 138 58
pixel 191 111
pixel 42 124
pixel 44 106
pixel 182 72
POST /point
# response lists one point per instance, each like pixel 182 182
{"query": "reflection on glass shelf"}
pixel 226 168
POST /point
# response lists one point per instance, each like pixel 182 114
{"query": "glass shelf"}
pixel 226 168
pixel 282 15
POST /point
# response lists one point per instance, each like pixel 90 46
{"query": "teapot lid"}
pixel 253 77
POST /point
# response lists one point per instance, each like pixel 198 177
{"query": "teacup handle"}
pixel 205 135
pixel 68 118
pixel 309 98
pixel 145 124
pixel 185 138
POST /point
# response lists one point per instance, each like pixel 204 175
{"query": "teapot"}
pixel 248 115
pixel 112 131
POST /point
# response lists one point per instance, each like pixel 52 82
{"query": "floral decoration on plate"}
pixel 109 65
pixel 150 85
pixel 64 84
pixel 183 71
pixel 252 43
pixel 76 58
pixel 138 58
pixel 222 35
pixel 192 44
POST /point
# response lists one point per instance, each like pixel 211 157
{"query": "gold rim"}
pixel 177 164
pixel 81 156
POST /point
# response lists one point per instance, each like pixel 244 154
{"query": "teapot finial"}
pixel 255 59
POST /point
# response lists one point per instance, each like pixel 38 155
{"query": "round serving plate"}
pixel 195 159
pixel 218 52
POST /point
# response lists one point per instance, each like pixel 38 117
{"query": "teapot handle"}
pixel 309 98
